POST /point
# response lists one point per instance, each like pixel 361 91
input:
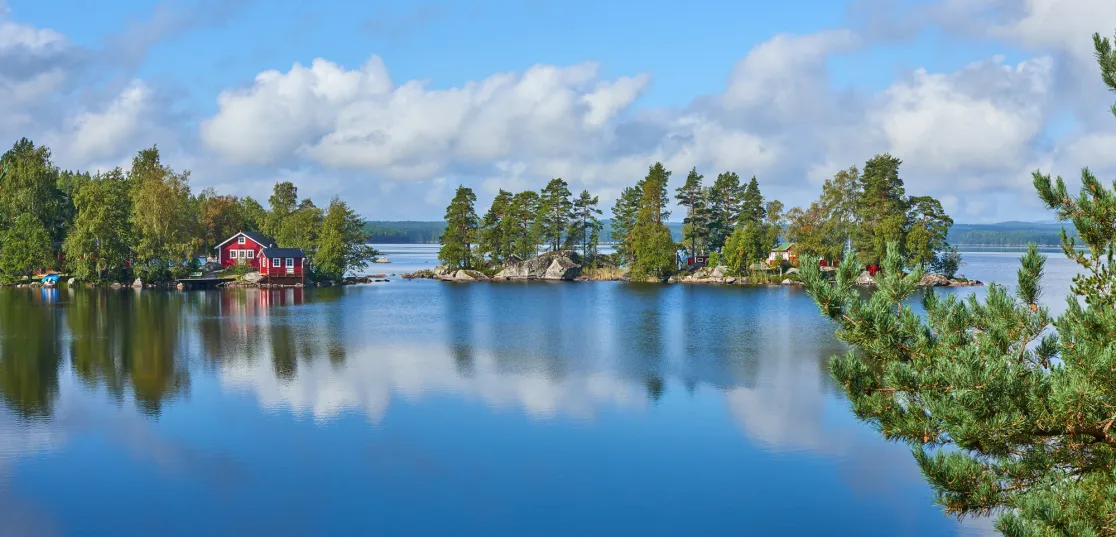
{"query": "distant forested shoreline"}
pixel 999 234
pixel 1009 234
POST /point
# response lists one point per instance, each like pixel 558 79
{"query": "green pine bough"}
pixel 1009 412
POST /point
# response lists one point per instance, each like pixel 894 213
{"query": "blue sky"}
pixel 790 92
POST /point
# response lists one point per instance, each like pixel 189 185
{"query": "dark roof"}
pixel 264 240
pixel 283 252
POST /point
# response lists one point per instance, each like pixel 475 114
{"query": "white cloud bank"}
pixel 976 131
pixel 971 135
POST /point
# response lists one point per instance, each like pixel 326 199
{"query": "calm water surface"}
pixel 424 408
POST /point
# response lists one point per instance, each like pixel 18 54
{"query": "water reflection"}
pixel 129 339
pixel 29 356
pixel 652 376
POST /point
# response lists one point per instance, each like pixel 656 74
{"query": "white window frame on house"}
pixel 276 262
pixel 232 254
pixel 241 240
pixel 290 262
pixel 251 254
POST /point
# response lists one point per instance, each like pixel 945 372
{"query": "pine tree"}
pixel 495 242
pixel 654 251
pixel 624 214
pixel 461 230
pixel 521 224
pixel 724 208
pixel 882 209
pixel 751 204
pixel 585 225
pixel 695 228
pixel 554 213
pixel 1007 410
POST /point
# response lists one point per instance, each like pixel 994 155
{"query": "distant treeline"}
pixel 1001 234
pixel 404 232
pixel 415 232
pixel 1009 234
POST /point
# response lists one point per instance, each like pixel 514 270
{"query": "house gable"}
pixel 258 240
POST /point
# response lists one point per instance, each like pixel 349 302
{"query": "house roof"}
pixel 283 252
pixel 260 238
pixel 783 247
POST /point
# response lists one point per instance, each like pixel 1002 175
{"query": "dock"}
pixel 202 283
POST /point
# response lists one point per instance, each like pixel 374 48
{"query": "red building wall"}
pixel 269 270
pixel 226 253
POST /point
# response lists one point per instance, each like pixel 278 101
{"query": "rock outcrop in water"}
pixel 560 265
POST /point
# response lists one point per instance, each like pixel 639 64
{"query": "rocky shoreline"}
pixel 567 266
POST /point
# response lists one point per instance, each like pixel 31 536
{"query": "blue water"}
pixel 425 408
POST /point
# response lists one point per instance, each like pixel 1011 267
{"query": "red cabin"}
pixel 280 265
pixel 243 248
pixel 275 265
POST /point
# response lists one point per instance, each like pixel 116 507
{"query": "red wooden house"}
pixel 282 265
pixel 243 249
pixel 276 265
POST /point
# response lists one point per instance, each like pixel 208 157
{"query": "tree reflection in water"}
pixel 29 355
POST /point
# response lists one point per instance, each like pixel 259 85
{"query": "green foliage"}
pixel 145 222
pixel 404 232
pixel 220 218
pixel 695 230
pixel 521 224
pixel 253 214
pixel 300 228
pixel 882 209
pixel 283 201
pixel 823 229
pixel 947 263
pixel 163 216
pixel 1007 410
pixel 554 213
pixel 1093 212
pixel 749 244
pixel 461 230
pixel 585 225
pixel 496 236
pixel 928 227
pixel 97 248
pixel 724 208
pixel 30 186
pixel 341 248
pixel 653 249
pixel 624 214
pixel 26 248
pixel 751 204
pixel 1008 234
pixel 238 270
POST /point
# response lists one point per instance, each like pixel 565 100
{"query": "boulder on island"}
pixel 469 276
pixel 933 280
pixel 560 265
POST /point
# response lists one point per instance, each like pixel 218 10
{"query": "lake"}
pixel 426 408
